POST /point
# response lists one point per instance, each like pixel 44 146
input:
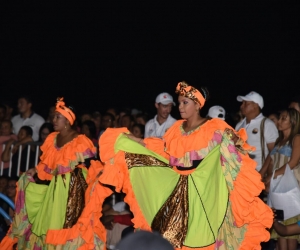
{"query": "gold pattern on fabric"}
pixel 137 160
pixel 171 221
pixel 238 142
pixel 75 202
pixel 190 92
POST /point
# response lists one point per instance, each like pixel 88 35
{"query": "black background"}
pixel 123 53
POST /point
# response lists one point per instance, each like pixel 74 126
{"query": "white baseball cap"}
pixel 216 112
pixel 252 97
pixel 164 98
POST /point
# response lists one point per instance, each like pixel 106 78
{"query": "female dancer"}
pixel 56 207
pixel 197 185
pixel 286 151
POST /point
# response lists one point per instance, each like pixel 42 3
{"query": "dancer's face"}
pixel 59 122
pixel 187 107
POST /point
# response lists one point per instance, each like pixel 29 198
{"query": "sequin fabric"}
pixel 171 221
pixel 137 160
pixel 75 202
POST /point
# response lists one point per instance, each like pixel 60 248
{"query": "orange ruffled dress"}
pixel 245 218
pixel 63 210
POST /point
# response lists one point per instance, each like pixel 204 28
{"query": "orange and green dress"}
pixel 61 208
pixel 198 189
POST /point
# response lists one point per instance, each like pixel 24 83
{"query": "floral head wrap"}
pixel 65 111
pixel 190 92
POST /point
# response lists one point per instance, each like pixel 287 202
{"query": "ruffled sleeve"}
pixel 107 142
pixel 88 224
pixel 55 161
pixel 250 213
pixel 157 145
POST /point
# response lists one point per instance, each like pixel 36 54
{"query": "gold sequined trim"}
pixel 75 202
pixel 171 221
pixel 238 141
pixel 137 160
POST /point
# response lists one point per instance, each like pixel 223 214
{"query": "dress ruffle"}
pixel 54 160
pixel 245 185
pixel 88 232
pixel 88 226
pixel 107 141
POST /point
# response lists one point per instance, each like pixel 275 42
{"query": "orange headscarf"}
pixel 190 92
pixel 65 111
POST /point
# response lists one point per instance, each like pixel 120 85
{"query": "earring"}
pixel 65 126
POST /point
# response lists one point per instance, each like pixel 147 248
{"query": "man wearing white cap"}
pixel 157 126
pixel 216 112
pixel 262 132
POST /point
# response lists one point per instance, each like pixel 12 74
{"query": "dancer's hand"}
pixel 138 140
pixel 31 172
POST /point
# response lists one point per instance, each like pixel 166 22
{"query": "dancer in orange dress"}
pixel 58 204
pixel 197 185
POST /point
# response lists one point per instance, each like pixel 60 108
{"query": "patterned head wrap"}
pixel 190 92
pixel 65 111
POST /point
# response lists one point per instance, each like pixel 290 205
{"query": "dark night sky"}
pixel 124 54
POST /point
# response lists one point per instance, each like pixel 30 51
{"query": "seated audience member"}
pixel 5 135
pixel 3 204
pixel 27 117
pixel 86 116
pixel 96 118
pixel 2 112
pixel 11 194
pixel 295 103
pixel 122 112
pixel 9 109
pixel 88 128
pixel 289 230
pixel 126 121
pixel 138 130
pixel 285 230
pixel 3 184
pixel 51 114
pixel 116 219
pixel 107 121
pixel 141 119
pixel 115 112
pixel 274 117
pixel 134 112
pixel 45 130
pixel 216 112
pixel 24 137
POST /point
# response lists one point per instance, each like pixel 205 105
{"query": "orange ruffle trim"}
pixel 65 158
pixel 107 143
pixel 176 144
pixel 247 208
pixel 116 173
pixel 88 223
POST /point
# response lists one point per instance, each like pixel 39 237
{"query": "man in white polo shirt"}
pixel 255 123
pixel 27 117
pixel 157 126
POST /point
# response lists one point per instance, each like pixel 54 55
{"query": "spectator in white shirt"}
pixel 157 126
pixel 27 117
pixel 254 122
